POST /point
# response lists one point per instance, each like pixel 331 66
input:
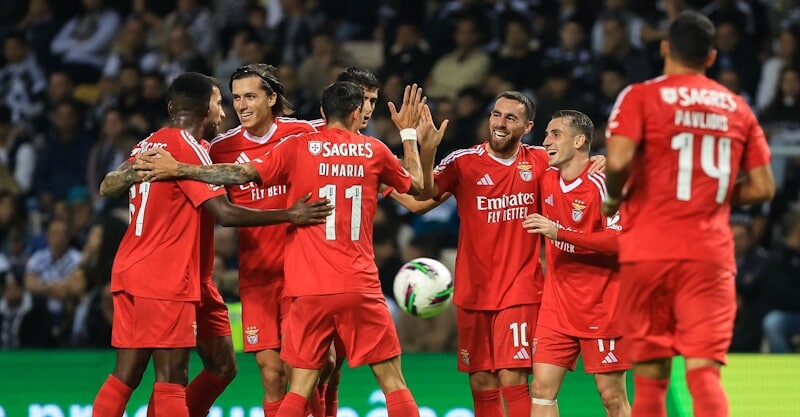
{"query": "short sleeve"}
pixel 446 175
pixel 274 164
pixel 627 115
pixel 393 174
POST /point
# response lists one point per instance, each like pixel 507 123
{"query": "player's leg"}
pixel 544 389
pixel 512 331
pixel 115 392
pixel 609 359
pixel 613 393
pixel 262 310
pixel 130 363
pixel 555 354
pixel 644 313
pixel 215 348
pixel 367 331
pixel 308 330
pixel 328 387
pixel 704 329
pixel 172 374
pixel 474 358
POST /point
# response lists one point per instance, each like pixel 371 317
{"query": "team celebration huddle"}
pixel 637 268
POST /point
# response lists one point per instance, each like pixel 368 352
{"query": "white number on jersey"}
pixel 519 332
pixel 144 191
pixel 715 166
pixel 352 193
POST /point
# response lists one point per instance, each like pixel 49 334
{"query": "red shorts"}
pixel 362 321
pixel 148 323
pixel 669 308
pixel 494 340
pixel 600 356
pixel 212 313
pixel 263 311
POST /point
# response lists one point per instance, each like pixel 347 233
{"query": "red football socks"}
pixel 401 403
pixel 202 391
pixel 293 405
pixel 518 400
pixel 649 397
pixel 271 408
pixel 170 400
pixel 111 399
pixel 708 397
pixel 488 403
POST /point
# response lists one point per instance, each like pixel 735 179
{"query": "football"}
pixel 423 287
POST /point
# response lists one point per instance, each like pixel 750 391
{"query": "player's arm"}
pixel 757 186
pixel 620 152
pixel 603 241
pixel 158 164
pixel 120 180
pixel 415 206
pixel 430 138
pixel 300 213
pixel 407 119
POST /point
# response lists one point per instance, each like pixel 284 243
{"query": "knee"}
pixel 227 370
pixel 131 377
pixel 540 388
pixel 173 375
pixel 483 381
pixel 613 398
pixel 273 376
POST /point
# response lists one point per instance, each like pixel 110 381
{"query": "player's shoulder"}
pixel 597 182
pixel 227 136
pixel 464 155
pixel 290 125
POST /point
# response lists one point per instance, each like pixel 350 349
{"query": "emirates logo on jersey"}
pixel 315 147
pixel 669 95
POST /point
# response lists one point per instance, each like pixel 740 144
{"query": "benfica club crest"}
pixel 252 334
pixel 577 210
pixel 669 95
pixel 315 147
pixel 525 171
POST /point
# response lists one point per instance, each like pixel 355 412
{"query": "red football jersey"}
pixel 207 222
pixel 159 256
pixel 693 136
pixel 261 249
pixel 345 167
pixel 498 262
pixel 579 292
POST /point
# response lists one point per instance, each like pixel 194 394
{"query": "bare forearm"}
pixel 244 217
pixel 221 174
pixel 429 190
pixel 411 161
pixel 119 181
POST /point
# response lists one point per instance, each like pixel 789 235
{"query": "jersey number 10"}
pixel 720 170
pixel 350 193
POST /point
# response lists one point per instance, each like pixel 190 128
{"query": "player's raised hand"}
pixel 302 213
pixel 538 224
pixel 156 165
pixel 598 164
pixel 410 110
pixel 429 136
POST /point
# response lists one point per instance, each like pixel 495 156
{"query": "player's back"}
pixel 694 134
pixel 261 249
pixel 159 253
pixel 498 263
pixel 346 168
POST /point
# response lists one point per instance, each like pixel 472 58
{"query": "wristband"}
pixel 408 134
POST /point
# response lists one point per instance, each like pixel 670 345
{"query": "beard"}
pixel 210 130
pixel 506 146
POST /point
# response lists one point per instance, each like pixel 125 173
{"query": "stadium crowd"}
pixel 81 82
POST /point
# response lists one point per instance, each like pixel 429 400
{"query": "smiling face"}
pixel 562 142
pixel 253 104
pixel 507 124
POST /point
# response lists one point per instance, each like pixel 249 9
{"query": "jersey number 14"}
pixel 719 169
